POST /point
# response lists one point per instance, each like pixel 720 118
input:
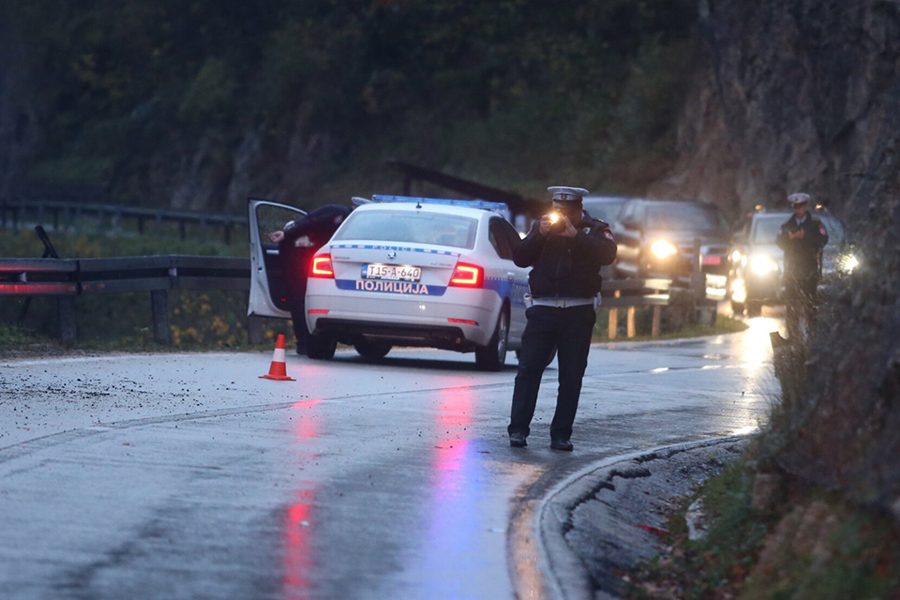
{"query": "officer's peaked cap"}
pixel 799 198
pixel 563 193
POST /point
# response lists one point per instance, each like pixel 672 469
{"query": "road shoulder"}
pixel 607 516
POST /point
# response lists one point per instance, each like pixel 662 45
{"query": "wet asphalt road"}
pixel 187 476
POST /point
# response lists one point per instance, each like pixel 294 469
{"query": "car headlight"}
pixel 763 265
pixel 847 263
pixel 663 249
pixel 736 256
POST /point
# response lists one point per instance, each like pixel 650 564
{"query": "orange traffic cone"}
pixel 278 370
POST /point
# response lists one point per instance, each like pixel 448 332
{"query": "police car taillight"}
pixel 466 275
pixel 321 267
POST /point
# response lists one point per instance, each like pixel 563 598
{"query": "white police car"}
pixel 427 272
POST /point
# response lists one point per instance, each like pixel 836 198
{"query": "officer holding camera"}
pixel 802 238
pixel 565 249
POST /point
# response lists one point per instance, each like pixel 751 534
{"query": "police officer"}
pixel 565 249
pixel 297 244
pixel 802 238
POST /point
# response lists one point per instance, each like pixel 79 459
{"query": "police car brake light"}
pixel 466 275
pixel 321 267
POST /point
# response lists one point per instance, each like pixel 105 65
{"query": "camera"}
pixel 555 219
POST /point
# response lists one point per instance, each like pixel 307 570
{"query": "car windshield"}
pixel 678 216
pixel 765 229
pixel 417 227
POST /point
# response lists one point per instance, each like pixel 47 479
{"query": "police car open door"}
pixel 268 293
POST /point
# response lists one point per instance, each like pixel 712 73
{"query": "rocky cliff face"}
pixel 804 95
pixel 797 95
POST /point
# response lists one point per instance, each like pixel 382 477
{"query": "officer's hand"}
pixel 546 225
pixel 796 235
pixel 567 229
pixel 276 236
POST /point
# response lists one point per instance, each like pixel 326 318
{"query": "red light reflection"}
pixel 298 520
pixel 298 556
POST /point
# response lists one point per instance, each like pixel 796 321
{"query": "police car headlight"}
pixel 847 263
pixel 663 249
pixel 763 265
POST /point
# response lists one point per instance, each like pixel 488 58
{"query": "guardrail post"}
pixel 65 313
pixel 254 330
pixel 630 322
pixel 654 330
pixel 613 328
pixel 159 302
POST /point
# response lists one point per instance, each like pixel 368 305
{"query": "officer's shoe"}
pixel 517 440
pixel 564 445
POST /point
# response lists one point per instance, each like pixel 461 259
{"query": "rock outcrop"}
pixel 796 95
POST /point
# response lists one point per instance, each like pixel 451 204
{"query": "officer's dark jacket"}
pixel 318 224
pixel 802 256
pixel 567 267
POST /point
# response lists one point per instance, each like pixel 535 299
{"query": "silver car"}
pixel 419 272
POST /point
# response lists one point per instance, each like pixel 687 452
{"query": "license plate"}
pixel 391 272
pixel 712 260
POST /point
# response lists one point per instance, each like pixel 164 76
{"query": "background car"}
pixel 657 237
pixel 417 272
pixel 756 264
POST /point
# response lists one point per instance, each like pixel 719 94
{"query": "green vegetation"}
pixel 814 548
pixel 513 93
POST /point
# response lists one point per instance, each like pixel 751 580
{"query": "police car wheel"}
pixel 369 349
pixel 493 356
pixel 321 346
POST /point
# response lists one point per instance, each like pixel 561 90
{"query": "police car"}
pixel 405 271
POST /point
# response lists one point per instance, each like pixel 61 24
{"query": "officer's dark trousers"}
pixel 569 329
pixel 801 298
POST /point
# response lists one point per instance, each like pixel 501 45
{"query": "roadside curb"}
pixel 574 511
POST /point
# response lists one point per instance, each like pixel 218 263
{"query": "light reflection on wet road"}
pixel 194 478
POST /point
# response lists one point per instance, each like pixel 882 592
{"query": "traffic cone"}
pixel 278 369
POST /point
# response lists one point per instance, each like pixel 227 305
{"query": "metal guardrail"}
pixel 68 278
pixel 702 291
pixel 15 213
